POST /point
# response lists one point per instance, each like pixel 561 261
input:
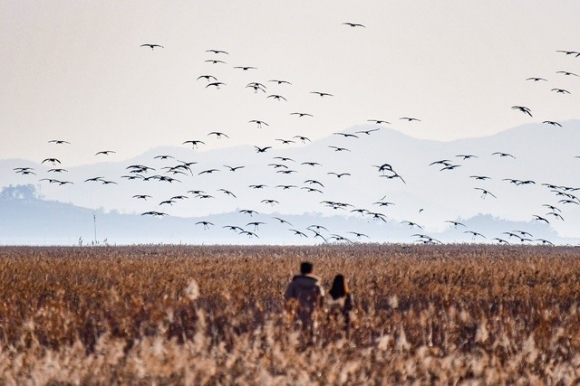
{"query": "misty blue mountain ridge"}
pixel 429 197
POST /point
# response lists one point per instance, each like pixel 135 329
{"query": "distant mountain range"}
pixel 416 179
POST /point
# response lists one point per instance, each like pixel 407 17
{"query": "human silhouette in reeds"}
pixel 341 303
pixel 304 296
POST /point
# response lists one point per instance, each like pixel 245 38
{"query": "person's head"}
pixel 339 288
pixel 306 267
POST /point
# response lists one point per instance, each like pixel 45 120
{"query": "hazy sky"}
pixel 74 70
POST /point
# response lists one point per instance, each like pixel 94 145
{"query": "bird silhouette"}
pixel 59 141
pixel 282 221
pixel 152 46
pixel 302 138
pixel 218 52
pixel 208 171
pixel 501 154
pixel 367 132
pixel 279 81
pixel 277 97
pixel 298 233
pixel 51 160
pixel 246 68
pixel 194 143
pixel 321 94
pixel 215 84
pixel 218 134
pixel 154 214
pixel 567 73
pixel 561 91
pixel 347 135
pixel 523 109
pixel 227 192
pixel 142 196
pixel 258 122
pixel 354 25
pixel 234 168
pixel 339 175
pixel 485 193
pixel 256 86
pixel 337 148
pixel 207 77
pixel 466 156
pixel 300 115
pixel 262 149
pixel 205 224
pixel 455 223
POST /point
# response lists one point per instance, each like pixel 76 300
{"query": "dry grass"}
pixel 461 314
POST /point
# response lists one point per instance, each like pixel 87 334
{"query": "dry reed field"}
pixel 424 314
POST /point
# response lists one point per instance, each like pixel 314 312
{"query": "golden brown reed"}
pixel 461 314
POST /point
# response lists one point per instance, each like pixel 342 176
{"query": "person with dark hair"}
pixel 342 301
pixel 304 296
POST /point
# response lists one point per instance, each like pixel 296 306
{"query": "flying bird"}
pixel 279 81
pixel 256 86
pixel 523 109
pixel 553 123
pixel 455 223
pixel 277 97
pixel 215 84
pixel 205 224
pixel 142 196
pixel 59 141
pixel 106 152
pixel 234 168
pixel 367 132
pixel 258 122
pixel 152 46
pixel 51 160
pixel 300 115
pixel 207 77
pixel 246 68
pixel 321 94
pixel 194 143
pixel 338 175
pixel 485 193
pixel 218 52
pixel 354 24
pixel 262 149
pixel 302 138
pixel 502 154
pixel 298 233
pixel 336 148
pixel 218 134
pixel 227 192
pixel 560 91
pixel 568 73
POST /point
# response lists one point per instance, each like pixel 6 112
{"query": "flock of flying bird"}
pixel 177 171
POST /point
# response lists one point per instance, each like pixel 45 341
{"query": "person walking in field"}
pixel 304 296
pixel 342 302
